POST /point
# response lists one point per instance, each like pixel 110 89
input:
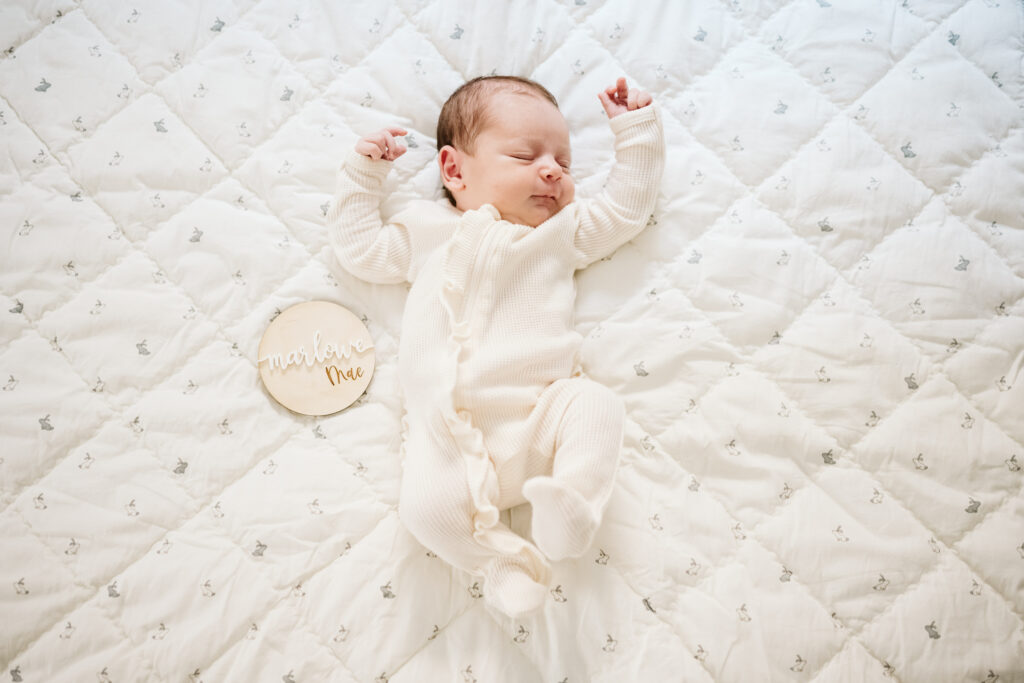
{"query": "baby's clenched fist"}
pixel 618 99
pixel 383 144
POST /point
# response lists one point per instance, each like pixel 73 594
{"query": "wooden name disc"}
pixel 316 358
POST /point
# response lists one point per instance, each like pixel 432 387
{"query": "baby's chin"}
pixel 533 214
pixel 531 220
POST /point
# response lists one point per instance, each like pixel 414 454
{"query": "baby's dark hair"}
pixel 465 112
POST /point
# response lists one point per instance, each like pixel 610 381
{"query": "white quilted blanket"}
pixel 820 342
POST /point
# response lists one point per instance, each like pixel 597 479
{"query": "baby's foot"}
pixel 512 591
pixel 564 523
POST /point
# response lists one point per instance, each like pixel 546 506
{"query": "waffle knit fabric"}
pixel 497 410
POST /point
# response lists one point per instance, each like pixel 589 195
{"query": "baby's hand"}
pixel 382 144
pixel 618 99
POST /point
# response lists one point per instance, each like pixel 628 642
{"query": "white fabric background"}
pixel 819 341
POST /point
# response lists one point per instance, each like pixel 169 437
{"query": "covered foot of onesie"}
pixel 564 523
pixel 510 589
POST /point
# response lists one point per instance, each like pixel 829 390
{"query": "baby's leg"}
pixel 568 504
pixel 436 506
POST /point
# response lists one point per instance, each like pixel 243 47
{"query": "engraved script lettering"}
pixel 336 375
pixel 321 351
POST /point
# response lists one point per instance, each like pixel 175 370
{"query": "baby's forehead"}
pixel 497 114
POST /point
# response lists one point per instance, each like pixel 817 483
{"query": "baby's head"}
pixel 502 141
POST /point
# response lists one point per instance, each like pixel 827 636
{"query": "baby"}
pixel 497 410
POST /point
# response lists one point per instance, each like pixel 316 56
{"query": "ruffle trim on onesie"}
pixel 457 267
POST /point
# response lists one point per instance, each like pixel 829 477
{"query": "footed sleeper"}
pixel 498 411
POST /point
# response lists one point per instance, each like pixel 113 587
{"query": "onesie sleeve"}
pixel 365 246
pixel 623 209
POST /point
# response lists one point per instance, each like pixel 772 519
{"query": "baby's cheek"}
pixel 570 193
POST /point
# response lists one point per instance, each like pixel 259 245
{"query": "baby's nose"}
pixel 550 170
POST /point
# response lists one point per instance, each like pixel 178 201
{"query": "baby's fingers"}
pixel 369 148
pixel 607 103
pixel 388 145
pixel 638 99
pixel 382 144
pixel 394 148
pixel 622 90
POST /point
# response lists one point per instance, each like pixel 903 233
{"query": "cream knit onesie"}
pixel 497 410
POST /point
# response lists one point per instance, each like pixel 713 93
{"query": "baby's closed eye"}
pixel 528 157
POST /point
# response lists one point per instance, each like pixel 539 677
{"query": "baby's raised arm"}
pixel 364 245
pixel 622 210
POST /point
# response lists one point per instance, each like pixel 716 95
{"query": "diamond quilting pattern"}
pixel 368 103
pixel 817 340
pixel 997 53
pixel 752 121
pixel 806 38
pixel 104 648
pixel 781 279
pixel 709 185
pixel 326 521
pixel 947 629
pixel 14 329
pixel 143 165
pixel 673 59
pixel 365 597
pixel 24 154
pixel 39 427
pixel 324 39
pixel 999 173
pixel 33 217
pixel 742 594
pixel 767 478
pixel 140 31
pixel 693 525
pixel 48 590
pixel 839 343
pixel 996 562
pixel 933 12
pixel 150 587
pixel 212 241
pixel 161 328
pixel 102 489
pixel 854 662
pixel 646 373
pixel 948 467
pixel 920 96
pixel 291 176
pixel 18 22
pixel 223 443
pixel 948 292
pixel 240 71
pixel 64 96
pixel 261 650
pixel 989 372
pixel 842 164
pixel 447 25
pixel 850 515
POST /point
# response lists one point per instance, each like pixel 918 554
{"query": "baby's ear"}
pixel 449 160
